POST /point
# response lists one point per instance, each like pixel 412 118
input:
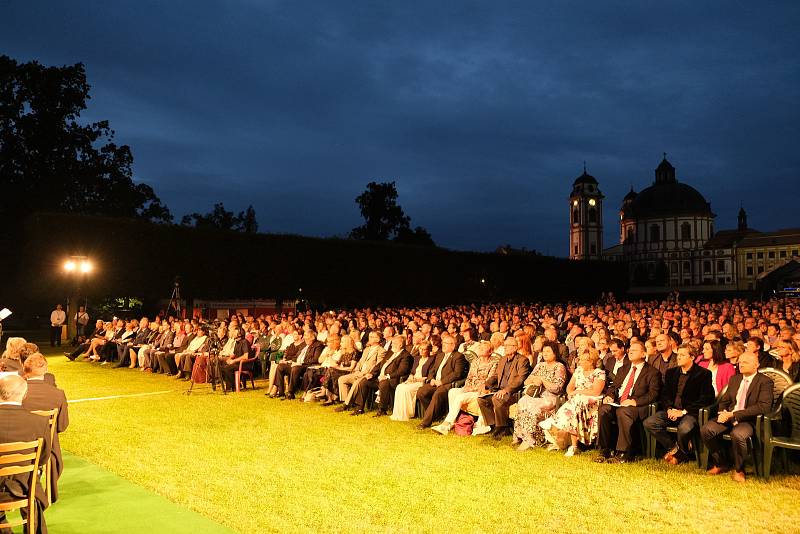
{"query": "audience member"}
pixel 542 388
pixel 749 395
pixel 626 402
pixel 687 388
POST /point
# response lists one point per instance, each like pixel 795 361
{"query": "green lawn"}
pixel 261 465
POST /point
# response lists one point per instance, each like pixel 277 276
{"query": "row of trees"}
pixel 51 161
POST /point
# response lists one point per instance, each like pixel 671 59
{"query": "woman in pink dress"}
pixel 714 360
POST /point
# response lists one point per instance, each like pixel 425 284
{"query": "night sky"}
pixel 482 112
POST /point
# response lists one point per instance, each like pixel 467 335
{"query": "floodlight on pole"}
pixel 78 268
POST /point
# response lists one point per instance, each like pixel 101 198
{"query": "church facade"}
pixel 668 240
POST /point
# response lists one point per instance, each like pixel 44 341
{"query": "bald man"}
pixel 18 424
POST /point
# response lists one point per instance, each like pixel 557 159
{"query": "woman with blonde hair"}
pixel 12 356
pixel 341 362
pixel 577 418
pixel 789 354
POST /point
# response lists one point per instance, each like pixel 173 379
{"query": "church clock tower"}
pixel 585 219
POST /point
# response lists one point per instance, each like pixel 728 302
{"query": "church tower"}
pixel 586 219
pixel 742 227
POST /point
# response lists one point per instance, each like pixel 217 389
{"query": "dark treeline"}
pixel 141 259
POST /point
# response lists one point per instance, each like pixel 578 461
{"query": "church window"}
pixel 576 217
pixel 592 215
pixel 720 265
pixel 771 254
pixel 706 267
pixel 749 255
pixel 655 233
pixel 576 250
pixel 630 234
pixel 749 271
pixel 687 266
pixel 783 253
pixel 592 249
pixel 760 255
pixel 686 231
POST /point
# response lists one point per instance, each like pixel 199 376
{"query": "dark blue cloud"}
pixel 483 114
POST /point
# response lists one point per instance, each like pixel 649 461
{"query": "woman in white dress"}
pixel 405 396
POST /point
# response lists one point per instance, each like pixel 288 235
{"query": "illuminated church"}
pixel 667 238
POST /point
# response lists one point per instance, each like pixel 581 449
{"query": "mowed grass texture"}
pixel 262 465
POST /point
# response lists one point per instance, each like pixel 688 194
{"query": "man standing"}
pixel 57 318
pixel 627 398
pixel 687 388
pixel 81 323
pixel 749 395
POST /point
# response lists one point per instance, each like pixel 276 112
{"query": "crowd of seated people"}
pixel 562 376
pixel 26 386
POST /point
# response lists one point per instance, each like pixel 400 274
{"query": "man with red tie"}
pixel 635 386
pixel 749 395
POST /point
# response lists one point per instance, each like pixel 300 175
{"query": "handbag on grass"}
pixel 464 424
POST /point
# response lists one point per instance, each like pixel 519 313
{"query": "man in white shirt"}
pixel 57 318
pixel 81 322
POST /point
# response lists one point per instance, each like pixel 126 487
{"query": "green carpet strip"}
pixel 93 500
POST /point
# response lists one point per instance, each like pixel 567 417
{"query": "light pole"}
pixel 79 267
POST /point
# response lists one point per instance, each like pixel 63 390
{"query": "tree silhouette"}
pixel 384 219
pixel 221 219
pixel 50 161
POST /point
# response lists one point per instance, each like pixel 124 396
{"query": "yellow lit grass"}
pixel 262 465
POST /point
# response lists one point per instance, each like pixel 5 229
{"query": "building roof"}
pixel 728 238
pixel 585 178
pixel 665 197
pixel 630 196
pixel 788 236
pixel 669 198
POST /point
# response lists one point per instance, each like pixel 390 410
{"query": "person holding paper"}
pixel 627 399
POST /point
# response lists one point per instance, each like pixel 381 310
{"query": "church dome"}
pixel 669 198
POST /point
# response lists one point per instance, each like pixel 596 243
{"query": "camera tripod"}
pixel 175 299
pixel 213 368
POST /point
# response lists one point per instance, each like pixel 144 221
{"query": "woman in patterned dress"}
pixel 543 386
pixel 578 416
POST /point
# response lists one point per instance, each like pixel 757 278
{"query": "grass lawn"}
pixel 261 465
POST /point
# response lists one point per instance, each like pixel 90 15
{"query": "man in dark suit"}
pixel 390 370
pixel 448 371
pixel 749 395
pixel 18 424
pixel 633 389
pixel 45 396
pixel 294 365
pixel 686 389
pixel 512 370
pixel 616 359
